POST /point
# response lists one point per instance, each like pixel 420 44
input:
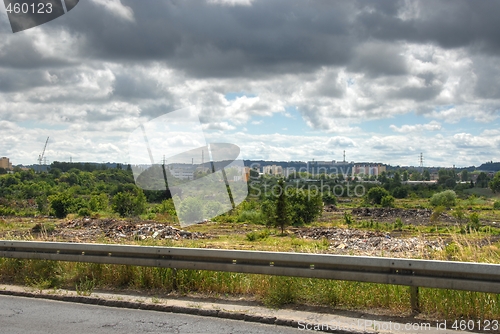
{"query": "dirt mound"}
pixel 87 228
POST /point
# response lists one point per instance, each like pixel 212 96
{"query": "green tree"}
pixel 396 180
pixel 426 176
pixel 191 210
pixel 306 205
pixel 128 203
pixel 283 215
pixel 61 204
pixel 464 176
pixel 482 180
pixel 375 195
pixel 98 202
pixel 400 192
pixel 495 183
pixel 405 176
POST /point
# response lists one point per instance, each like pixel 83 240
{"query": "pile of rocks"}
pixel 370 242
pixel 88 228
pixel 392 212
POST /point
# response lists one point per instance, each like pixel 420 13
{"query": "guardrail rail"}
pixel 479 277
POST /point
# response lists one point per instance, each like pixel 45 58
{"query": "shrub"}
pixel 473 224
pixel 376 194
pixel 329 199
pixel 306 205
pixel 191 210
pixel 61 204
pixel 348 219
pixel 98 202
pixel 445 198
pixel 254 236
pixel 400 192
pixel 166 207
pixel 496 205
pixel 128 204
pixel 248 216
pixel 387 201
pixel 84 212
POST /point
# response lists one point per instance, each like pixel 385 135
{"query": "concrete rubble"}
pixel 88 228
pixel 369 242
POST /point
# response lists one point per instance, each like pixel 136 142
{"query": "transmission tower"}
pixel 421 162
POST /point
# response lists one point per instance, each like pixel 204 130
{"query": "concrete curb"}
pixel 169 308
pixel 303 321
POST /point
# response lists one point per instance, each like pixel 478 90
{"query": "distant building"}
pixel 5 163
pixel 273 170
pixel 368 169
pixel 182 173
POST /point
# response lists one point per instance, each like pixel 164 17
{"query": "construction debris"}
pixel 88 228
pixel 368 242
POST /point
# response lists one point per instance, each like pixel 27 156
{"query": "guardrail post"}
pixel 415 307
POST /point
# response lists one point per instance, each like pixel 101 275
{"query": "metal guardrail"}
pixel 410 272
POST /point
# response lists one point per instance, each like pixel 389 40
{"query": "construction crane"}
pixel 40 157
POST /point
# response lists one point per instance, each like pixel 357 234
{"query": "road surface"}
pixel 28 315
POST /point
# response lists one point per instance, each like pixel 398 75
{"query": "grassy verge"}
pixel 270 290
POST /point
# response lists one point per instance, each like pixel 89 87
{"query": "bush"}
pixel 191 210
pixel 254 236
pixel 306 205
pixel 166 207
pixel 400 192
pixel 329 199
pixel 84 212
pixel 387 201
pixel 61 204
pixel 99 202
pixel 248 216
pixel 376 194
pixel 496 205
pixel 447 198
pixel 128 204
pixel 474 223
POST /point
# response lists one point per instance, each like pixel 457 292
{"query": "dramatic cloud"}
pixel 336 75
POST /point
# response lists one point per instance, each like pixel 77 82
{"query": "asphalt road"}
pixel 28 315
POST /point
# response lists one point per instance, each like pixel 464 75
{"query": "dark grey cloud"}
pixel 378 59
pixel 19 80
pixel 268 37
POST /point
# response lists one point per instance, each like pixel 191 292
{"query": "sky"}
pixel 283 79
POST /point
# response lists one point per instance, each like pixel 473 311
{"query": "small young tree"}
pixel 282 218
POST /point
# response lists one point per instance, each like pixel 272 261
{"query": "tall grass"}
pixel 273 291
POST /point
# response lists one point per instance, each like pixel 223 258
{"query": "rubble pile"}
pixel 410 216
pixel 88 228
pixel 368 242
